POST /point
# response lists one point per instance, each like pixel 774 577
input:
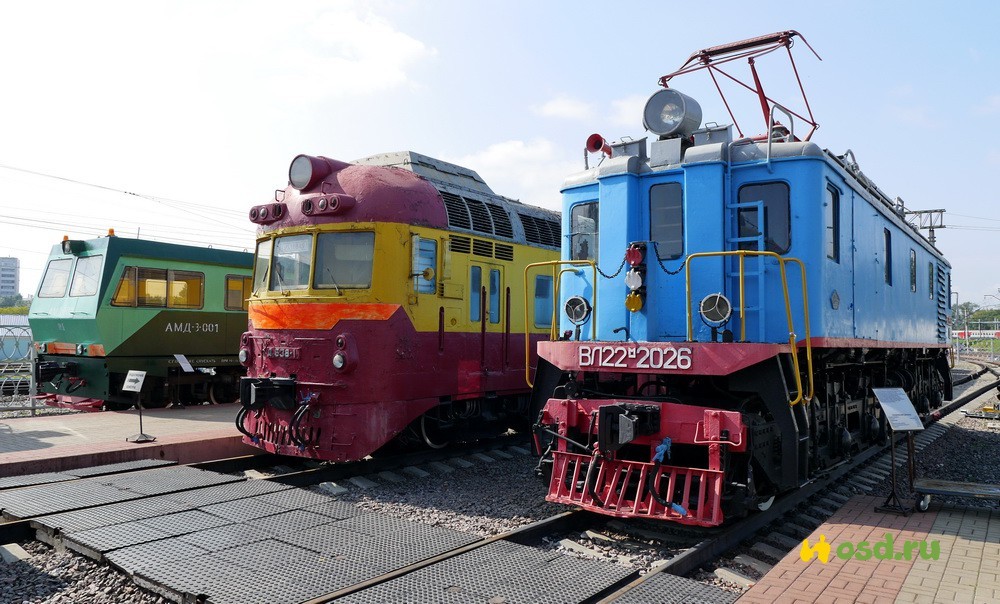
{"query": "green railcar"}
pixel 110 305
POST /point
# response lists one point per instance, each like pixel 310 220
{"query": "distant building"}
pixel 10 276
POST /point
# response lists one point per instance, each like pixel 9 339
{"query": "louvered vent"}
pixel 540 231
pixel 458 214
pixel 503 251
pixel 481 220
pixel 501 221
pixel 482 248
pixel 462 245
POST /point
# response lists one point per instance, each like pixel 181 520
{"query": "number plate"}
pixel 635 357
pixel 281 352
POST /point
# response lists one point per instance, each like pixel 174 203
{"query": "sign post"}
pixel 133 383
pixel 902 417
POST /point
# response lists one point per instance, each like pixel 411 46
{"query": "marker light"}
pixel 633 301
pixel 669 113
pixel 715 308
pixel 244 356
pixel 339 360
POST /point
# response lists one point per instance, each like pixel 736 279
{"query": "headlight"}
pixel 339 360
pixel 81 349
pixel 244 356
pixel 306 172
pixel 669 112
pixel 577 310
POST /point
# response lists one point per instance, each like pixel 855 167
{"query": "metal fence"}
pixel 17 379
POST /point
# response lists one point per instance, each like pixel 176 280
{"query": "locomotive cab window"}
pixel 262 262
pixel 238 289
pixel 291 262
pixel 55 279
pixel 87 276
pixel 666 220
pixel 343 260
pixel 774 225
pixel 583 231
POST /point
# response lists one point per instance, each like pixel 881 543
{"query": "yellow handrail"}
pixel 555 304
pixel 742 254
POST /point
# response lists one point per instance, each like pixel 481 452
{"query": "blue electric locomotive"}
pixel 728 303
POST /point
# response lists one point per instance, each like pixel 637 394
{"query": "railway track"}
pixel 476 563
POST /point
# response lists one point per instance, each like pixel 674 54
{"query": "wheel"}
pixel 922 503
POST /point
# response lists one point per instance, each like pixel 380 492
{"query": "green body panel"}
pixel 117 339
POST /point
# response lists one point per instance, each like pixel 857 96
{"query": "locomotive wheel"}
pixel 427 439
pixel 220 394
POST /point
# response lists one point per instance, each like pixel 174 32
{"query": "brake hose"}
pixel 662 449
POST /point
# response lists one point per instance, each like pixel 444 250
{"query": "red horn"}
pixel 596 142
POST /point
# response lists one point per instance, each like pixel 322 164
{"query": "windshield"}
pixel 87 277
pixel 344 260
pixel 290 267
pixel 56 279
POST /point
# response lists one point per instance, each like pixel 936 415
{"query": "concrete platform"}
pixel 54 443
pixel 966 567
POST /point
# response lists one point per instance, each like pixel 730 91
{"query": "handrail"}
pixel 555 304
pixel 793 345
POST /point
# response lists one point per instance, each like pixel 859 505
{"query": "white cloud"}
pixel 566 107
pixel 531 172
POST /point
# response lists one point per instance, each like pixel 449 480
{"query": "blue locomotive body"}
pixel 726 307
pixel 870 274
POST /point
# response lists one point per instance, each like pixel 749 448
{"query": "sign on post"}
pixel 133 383
pixel 898 409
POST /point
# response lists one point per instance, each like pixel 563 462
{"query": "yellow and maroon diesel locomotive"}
pixel 389 303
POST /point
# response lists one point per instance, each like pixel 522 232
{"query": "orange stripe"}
pixel 314 315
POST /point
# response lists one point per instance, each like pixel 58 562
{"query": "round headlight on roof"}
pixel 306 171
pixel 671 113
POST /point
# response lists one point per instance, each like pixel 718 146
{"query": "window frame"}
pixel 591 207
pixel 317 260
pixel 66 282
pixel 770 218
pixel 673 202
pixel 887 251
pixel 546 302
pixel 246 290
pixel 97 276
pixel 913 270
pixel 832 241
pixel 475 293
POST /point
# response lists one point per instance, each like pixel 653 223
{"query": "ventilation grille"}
pixel 501 221
pixel 540 231
pixel 482 248
pixel 481 220
pixel 462 245
pixel 458 213
pixel 503 251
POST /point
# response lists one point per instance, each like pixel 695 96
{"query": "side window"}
pixel 151 287
pixel 475 294
pixel 543 301
pixel 887 240
pixel 261 265
pixel 777 228
pixel 55 279
pixel 913 271
pixel 425 257
pixel 930 280
pixel 832 223
pixel 494 296
pixel 187 289
pixel 583 231
pixel 87 276
pixel 238 290
pixel 666 219
pixel 125 292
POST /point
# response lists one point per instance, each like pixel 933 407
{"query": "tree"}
pixel 961 313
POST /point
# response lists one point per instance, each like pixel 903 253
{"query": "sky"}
pixel 169 120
